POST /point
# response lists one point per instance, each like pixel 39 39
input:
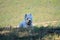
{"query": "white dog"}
pixel 27 22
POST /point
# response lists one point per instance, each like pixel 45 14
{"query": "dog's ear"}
pixel 30 14
pixel 25 15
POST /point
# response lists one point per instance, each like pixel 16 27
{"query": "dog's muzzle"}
pixel 29 22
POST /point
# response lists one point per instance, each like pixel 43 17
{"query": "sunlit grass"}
pixel 12 11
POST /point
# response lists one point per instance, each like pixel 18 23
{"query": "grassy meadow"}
pixel 46 18
pixel 12 11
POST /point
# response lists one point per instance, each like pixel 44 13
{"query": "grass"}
pixel 42 33
pixel 12 11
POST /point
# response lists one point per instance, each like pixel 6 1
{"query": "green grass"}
pixel 12 11
pixel 46 33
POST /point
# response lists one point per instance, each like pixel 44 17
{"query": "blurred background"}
pixel 44 11
pixel 46 16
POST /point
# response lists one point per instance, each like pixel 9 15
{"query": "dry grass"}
pixel 12 11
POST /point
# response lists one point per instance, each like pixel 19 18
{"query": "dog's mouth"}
pixel 29 22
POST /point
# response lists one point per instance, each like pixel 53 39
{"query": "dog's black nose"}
pixel 29 23
pixel 29 20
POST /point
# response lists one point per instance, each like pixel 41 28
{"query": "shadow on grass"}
pixel 24 34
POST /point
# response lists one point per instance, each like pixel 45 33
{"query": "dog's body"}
pixel 27 22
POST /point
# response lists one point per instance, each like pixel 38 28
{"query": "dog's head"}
pixel 28 19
